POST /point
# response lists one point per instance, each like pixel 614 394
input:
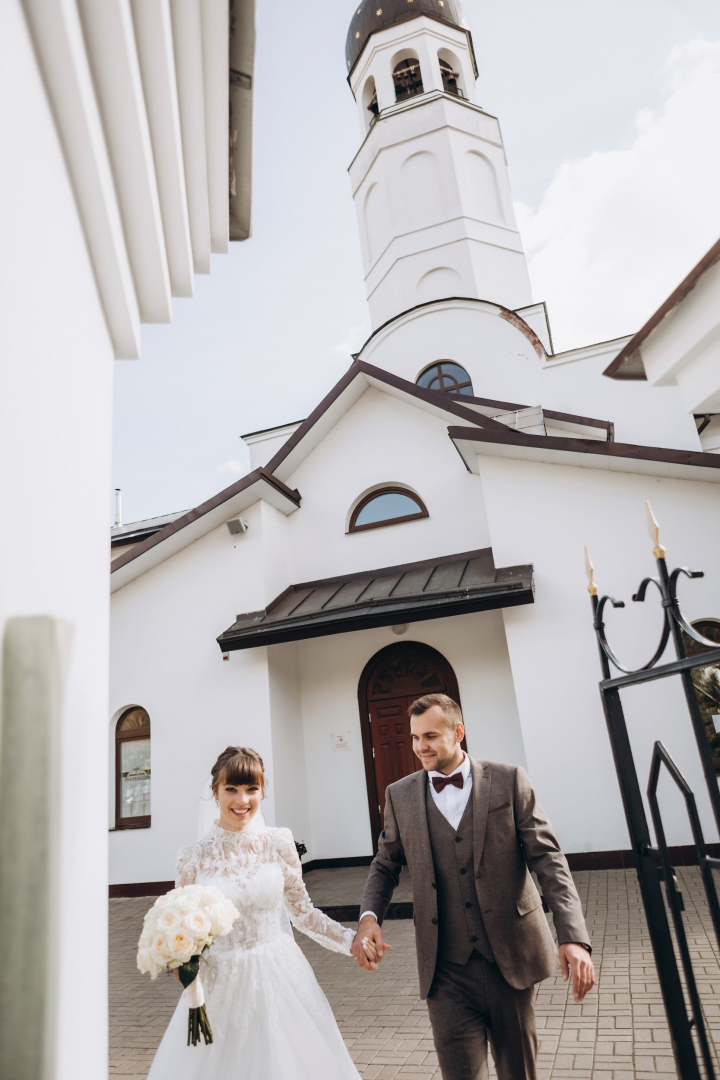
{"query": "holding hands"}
pixel 368 948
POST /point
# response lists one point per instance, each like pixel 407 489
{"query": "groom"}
pixel 470 832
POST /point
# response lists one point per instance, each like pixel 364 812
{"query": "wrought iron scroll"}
pixel 647 856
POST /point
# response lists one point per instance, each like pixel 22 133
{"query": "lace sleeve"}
pixel 318 926
pixel 186 867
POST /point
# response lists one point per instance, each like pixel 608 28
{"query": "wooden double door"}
pixel 394 678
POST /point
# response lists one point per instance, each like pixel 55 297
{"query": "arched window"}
pixel 389 506
pixel 706 681
pixel 451 79
pixel 447 377
pixel 407 79
pixel 132 769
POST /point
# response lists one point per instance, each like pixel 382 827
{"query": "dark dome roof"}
pixel 372 15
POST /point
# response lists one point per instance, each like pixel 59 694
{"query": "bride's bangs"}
pixel 242 770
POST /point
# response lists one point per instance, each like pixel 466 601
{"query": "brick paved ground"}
pixel 619 1034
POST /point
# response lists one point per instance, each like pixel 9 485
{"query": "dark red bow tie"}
pixel 441 782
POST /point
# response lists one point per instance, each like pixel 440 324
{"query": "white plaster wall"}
pixel 420 208
pixel 55 424
pixel 382 440
pixel 290 790
pixel 504 366
pixel 165 658
pixel 500 359
pixel 642 413
pixel 545 514
pixel 330 669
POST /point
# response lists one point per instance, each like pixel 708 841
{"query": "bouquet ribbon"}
pixel 198 1022
pixel 196 994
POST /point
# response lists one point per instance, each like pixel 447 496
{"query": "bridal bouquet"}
pixel 177 930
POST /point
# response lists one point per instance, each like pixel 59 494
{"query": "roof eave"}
pixel 590 453
pixel 198 522
pixel 630 357
pixel 241 104
pixel 498 596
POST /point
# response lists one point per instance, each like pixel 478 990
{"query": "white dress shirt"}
pixel 451 801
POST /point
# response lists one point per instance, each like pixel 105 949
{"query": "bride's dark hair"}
pixel 238 765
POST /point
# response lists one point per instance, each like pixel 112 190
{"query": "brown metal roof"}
pixel 432 589
pixel 628 363
pixel 631 451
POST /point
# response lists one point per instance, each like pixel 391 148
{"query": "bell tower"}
pixel 430 179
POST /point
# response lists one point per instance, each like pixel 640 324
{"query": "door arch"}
pixel 390 682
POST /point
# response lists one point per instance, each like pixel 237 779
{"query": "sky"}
pixel 610 115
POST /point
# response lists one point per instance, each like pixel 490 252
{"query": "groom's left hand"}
pixel 574 958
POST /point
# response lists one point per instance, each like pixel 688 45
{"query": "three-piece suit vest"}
pixel 460 923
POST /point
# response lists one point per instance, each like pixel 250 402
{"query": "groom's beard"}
pixel 436 763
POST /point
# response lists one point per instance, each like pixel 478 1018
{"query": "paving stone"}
pixel 619 1033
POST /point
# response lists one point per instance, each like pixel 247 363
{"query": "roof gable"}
pixel 359 377
pixel 258 484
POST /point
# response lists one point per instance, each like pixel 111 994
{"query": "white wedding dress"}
pixel 270 1019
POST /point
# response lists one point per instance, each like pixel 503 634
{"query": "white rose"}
pixel 211 896
pixel 144 960
pixel 198 924
pixel 187 900
pixel 164 901
pixel 180 945
pixel 222 917
pixel 159 951
pixel 169 919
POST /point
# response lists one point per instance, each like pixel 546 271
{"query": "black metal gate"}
pixel 694 1056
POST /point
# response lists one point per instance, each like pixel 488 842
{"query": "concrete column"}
pixel 35 651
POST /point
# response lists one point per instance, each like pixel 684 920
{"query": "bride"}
pixel 270 1019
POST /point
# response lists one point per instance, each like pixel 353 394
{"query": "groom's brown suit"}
pixel 482 938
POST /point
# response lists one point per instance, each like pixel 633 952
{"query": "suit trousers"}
pixel 472 1003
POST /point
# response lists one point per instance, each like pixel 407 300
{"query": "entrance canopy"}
pixel 432 589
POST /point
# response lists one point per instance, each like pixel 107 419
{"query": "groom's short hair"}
pixel 451 710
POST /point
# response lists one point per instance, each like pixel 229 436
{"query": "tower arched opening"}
pixel 370 102
pixel 451 72
pixel 407 77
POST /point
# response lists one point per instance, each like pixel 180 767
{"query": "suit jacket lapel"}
pixel 419 812
pixel 481 780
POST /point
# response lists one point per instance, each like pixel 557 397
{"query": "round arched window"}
pixel 389 506
pixel 132 769
pixel 448 377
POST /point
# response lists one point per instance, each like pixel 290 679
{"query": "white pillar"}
pixel 34 663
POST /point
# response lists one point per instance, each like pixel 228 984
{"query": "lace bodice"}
pixel 259 870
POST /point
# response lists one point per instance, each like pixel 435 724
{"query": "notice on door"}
pixel 340 742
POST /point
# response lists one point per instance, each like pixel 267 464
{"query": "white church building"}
pixel 422 530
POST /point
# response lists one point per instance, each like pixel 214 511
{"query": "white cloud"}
pixel 238 468
pixel 352 342
pixel 616 231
